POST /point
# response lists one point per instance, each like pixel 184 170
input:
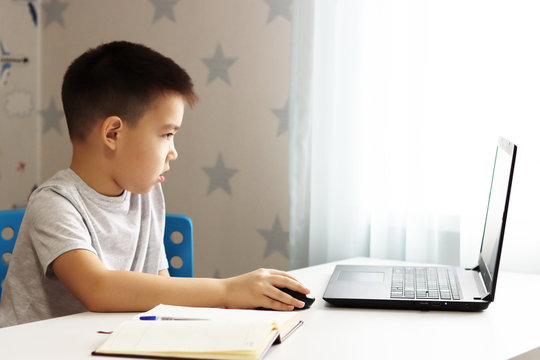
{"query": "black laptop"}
pixel 435 287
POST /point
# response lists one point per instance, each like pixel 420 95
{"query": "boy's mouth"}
pixel 161 177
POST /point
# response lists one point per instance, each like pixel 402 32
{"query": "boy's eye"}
pixel 168 136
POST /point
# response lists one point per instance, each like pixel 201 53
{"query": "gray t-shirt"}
pixel 63 214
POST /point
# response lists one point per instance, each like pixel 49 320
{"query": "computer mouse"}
pixel 308 299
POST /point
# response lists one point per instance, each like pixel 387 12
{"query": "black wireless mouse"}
pixel 308 299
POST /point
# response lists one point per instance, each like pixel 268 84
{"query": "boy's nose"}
pixel 173 154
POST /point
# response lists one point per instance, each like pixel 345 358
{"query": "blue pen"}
pixel 154 317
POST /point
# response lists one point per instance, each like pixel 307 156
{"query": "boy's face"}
pixel 145 150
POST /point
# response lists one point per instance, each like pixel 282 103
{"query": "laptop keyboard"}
pixel 424 283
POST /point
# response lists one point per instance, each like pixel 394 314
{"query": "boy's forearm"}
pixel 131 291
pixel 100 289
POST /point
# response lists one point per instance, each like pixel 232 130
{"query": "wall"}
pixel 19 102
pixel 231 174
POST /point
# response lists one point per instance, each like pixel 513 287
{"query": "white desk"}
pixel 507 328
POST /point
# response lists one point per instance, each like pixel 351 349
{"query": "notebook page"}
pixel 188 337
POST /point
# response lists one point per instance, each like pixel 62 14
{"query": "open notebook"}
pixel 200 333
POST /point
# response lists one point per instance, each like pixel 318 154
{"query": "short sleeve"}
pixel 55 227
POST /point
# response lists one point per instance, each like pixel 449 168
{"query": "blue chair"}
pixel 10 222
pixel 178 242
pixel 179 245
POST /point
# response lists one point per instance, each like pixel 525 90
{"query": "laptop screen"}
pixel 494 226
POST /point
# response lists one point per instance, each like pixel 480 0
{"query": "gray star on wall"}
pixel 218 66
pixel 283 116
pixel 279 8
pixel 52 116
pixel 277 239
pixel 219 176
pixel 53 12
pixel 164 8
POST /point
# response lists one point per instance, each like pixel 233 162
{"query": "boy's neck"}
pixel 92 169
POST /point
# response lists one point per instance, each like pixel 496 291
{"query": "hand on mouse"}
pixel 259 288
pixel 307 299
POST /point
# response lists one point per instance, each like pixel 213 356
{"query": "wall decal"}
pixel 219 176
pixel 277 239
pixel 53 12
pixel 279 8
pixel 218 66
pixel 283 116
pixel 164 8
pixel 51 118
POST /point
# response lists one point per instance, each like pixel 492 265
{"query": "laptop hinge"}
pixel 482 291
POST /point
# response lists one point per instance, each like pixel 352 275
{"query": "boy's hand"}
pixel 259 288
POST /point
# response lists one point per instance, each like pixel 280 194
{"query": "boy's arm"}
pixel 164 272
pixel 100 289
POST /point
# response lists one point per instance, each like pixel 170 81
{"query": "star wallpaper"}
pixel 231 176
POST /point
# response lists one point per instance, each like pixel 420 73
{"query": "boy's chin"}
pixel 140 190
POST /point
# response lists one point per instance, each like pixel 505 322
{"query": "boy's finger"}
pixel 277 305
pixel 291 284
pixel 285 298
pixel 282 273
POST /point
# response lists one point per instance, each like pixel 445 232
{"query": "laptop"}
pixel 435 287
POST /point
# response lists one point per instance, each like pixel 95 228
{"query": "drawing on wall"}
pixel 33 13
pixel 19 38
pixel 8 60
pixel 19 103
pixel 31 9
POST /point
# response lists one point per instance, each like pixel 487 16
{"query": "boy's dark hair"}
pixel 118 79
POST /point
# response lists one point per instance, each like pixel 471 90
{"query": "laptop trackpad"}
pixel 358 281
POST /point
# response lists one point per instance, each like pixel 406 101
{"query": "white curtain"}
pixel 391 140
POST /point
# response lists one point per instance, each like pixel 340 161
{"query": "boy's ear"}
pixel 110 131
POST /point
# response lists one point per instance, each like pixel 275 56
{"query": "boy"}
pixel 92 235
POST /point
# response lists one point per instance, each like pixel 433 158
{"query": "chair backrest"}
pixel 179 245
pixel 178 242
pixel 10 222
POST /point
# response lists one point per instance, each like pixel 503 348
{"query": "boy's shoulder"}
pixel 63 182
pixel 61 188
